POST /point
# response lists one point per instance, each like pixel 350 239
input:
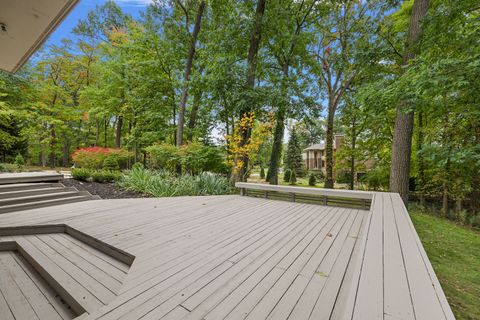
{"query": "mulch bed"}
pixel 104 190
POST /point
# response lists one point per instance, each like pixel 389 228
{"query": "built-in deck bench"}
pixel 389 275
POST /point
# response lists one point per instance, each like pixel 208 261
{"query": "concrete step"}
pixel 39 197
pixel 27 186
pixel 45 203
pixel 33 192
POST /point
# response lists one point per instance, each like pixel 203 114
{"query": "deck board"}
pixel 233 257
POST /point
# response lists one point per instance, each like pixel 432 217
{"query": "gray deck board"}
pixel 233 257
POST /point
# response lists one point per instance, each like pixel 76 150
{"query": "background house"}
pixel 315 155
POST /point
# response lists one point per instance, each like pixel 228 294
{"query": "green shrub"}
pixel 192 158
pixel 343 177
pixel 262 173
pixel 81 174
pixel 312 180
pixel 103 176
pixel 293 178
pixel 19 161
pixel 377 178
pixel 165 184
pixel 286 175
pixel 111 163
pixel 163 156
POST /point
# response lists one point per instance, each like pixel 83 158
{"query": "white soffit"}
pixel 28 23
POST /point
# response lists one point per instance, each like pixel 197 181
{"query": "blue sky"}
pixel 132 7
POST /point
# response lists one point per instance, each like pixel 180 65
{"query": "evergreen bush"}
pixel 81 174
pixel 111 163
pixel 286 175
pixel 312 180
pixel 19 161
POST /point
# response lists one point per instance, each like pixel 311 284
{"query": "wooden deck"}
pixel 234 257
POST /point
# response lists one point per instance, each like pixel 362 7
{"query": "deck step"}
pixel 47 203
pixel 26 177
pixel 33 192
pixel 28 186
pixel 38 197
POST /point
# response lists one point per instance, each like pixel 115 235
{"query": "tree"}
pixel 247 102
pixel 293 155
pixel 188 67
pixel 292 17
pixel 345 45
pixel 403 129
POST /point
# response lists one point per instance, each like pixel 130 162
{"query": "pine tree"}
pixel 293 156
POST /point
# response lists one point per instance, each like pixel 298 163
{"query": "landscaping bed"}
pixel 104 190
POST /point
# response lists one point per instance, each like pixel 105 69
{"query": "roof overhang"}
pixel 27 24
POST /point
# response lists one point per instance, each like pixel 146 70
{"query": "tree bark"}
pixel 352 158
pixel 402 136
pixel 118 134
pixel 250 83
pixel 193 115
pixel 329 146
pixel 272 176
pixel 420 160
pixel 105 127
pixel 188 69
pixel 53 138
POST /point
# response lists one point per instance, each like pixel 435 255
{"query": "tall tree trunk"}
pixel 250 83
pixel 352 158
pixel 188 68
pixel 445 188
pixel 329 145
pixel 105 123
pixel 118 134
pixel 97 132
pixel 272 176
pixel 53 138
pixel 192 122
pixel 402 135
pixel 420 159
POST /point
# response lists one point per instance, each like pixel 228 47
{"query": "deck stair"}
pixel 36 193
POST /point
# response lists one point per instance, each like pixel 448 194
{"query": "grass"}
pixel 166 184
pixel 454 252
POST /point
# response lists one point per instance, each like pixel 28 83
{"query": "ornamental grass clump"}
pixel 166 184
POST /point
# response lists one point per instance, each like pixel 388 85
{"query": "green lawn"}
pixel 455 255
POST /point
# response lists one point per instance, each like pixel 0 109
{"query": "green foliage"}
pixel 81 174
pixel 103 176
pixel 262 173
pixel 192 158
pixel 165 184
pixel 163 156
pixel 293 155
pixel 111 163
pixel 293 178
pixel 312 180
pixel 19 161
pixel 286 175
pixel 377 178
pixel 343 176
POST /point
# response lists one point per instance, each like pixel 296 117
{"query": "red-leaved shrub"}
pixel 93 157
